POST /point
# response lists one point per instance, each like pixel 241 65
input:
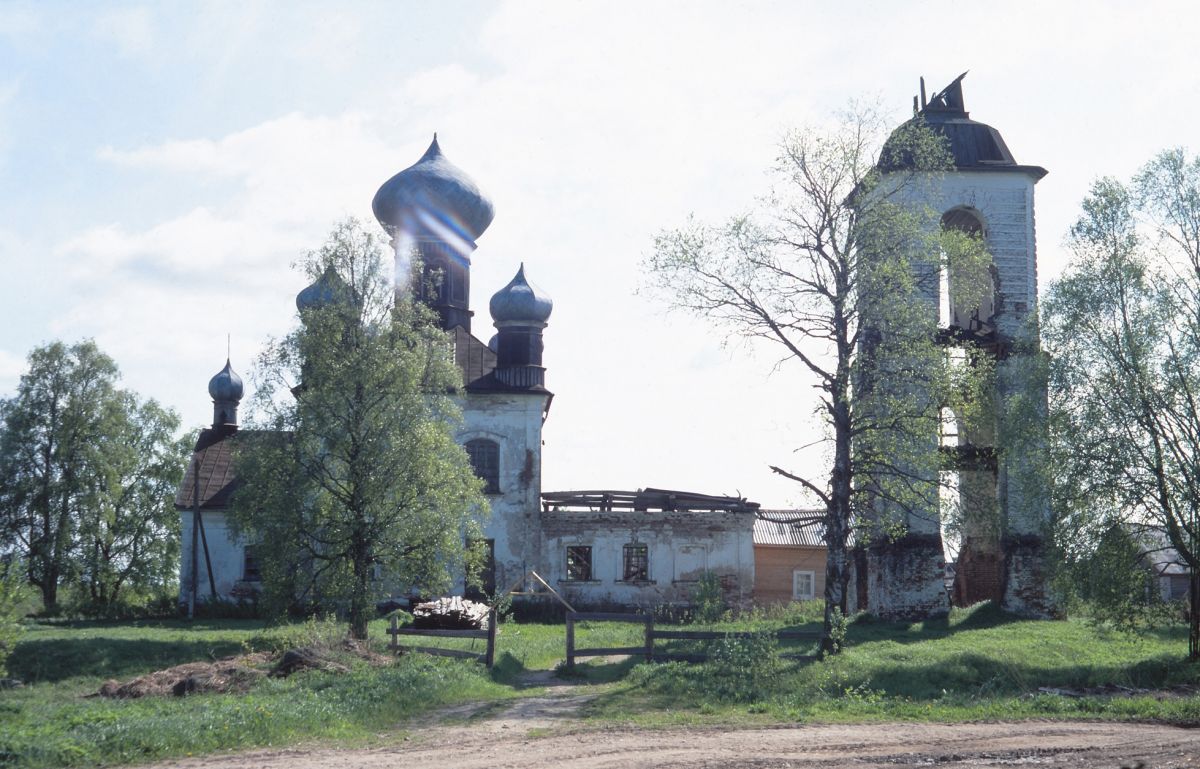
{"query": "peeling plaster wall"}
pixel 514 422
pixel 681 546
pixel 225 551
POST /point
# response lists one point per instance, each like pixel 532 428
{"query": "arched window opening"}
pixel 485 460
pixel 968 298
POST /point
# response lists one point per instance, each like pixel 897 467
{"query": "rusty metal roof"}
pixel 789 528
pixel 212 459
pixel 645 500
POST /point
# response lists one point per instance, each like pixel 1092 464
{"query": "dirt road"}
pixel 541 731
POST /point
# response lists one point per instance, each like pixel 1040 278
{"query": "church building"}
pixel 637 549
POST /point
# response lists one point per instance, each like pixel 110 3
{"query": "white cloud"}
pixel 592 126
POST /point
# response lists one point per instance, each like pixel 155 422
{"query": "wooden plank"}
pixel 712 635
pixel 693 635
pixel 490 657
pixel 561 600
pixel 437 633
pixel 679 657
pixel 648 642
pixel 570 641
pixel 444 652
pixel 603 651
pixel 603 616
pixel 392 632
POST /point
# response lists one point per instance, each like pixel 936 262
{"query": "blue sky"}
pixel 162 166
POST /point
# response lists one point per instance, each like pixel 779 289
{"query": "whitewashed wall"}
pixel 681 546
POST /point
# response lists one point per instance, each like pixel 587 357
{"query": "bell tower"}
pixel 997 491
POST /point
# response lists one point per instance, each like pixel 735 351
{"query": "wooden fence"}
pixel 651 654
pixel 487 658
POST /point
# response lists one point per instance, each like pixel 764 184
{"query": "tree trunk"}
pixel 1194 617
pixel 837 531
pixel 359 598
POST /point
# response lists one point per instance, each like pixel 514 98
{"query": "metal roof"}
pixel 789 528
pixel 644 501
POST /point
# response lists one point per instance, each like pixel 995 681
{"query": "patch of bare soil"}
pixel 855 746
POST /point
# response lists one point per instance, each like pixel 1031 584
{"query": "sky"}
pixel 164 165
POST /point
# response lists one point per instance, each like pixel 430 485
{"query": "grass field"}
pixel 978 664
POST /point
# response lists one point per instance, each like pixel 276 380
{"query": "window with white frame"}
pixel 804 585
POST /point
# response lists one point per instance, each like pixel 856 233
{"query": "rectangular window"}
pixel 579 563
pixel 803 585
pixel 636 560
pixel 250 570
pixel 485 459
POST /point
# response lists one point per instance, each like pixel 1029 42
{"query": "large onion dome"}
pixel 226 385
pixel 327 290
pixel 431 197
pixel 520 301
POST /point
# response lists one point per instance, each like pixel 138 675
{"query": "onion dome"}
pixel 329 289
pixel 974 146
pixel 226 385
pixel 433 197
pixel 520 301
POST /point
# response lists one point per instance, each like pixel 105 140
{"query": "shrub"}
pixel 15 597
pixel 709 599
pixel 744 666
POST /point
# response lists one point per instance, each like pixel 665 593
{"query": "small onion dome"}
pixel 328 289
pixel 520 301
pixel 494 343
pixel 433 196
pixel 226 385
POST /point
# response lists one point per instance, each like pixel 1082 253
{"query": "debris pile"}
pixel 453 613
pixel 234 674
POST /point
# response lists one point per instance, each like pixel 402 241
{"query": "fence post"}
pixel 570 641
pixel 394 644
pixel 649 638
pixel 491 639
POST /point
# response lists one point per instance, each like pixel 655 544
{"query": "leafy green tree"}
pixel 1123 330
pixel 86 471
pixel 354 484
pixel 14 602
pixel 838 266
pixel 128 533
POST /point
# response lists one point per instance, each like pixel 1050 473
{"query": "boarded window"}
pixel 250 569
pixel 636 560
pixel 579 563
pixel 485 459
pixel 803 585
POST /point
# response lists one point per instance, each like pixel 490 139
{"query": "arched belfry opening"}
pixel 969 298
pixel 971 491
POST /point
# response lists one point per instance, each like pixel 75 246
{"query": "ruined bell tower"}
pixel 995 493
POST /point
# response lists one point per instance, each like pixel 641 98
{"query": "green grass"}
pixel 977 664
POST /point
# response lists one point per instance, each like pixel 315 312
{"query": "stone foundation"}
pixel 906 579
pixel 1026 589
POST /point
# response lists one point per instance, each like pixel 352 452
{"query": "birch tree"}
pixel 356 486
pixel 838 268
pixel 1123 331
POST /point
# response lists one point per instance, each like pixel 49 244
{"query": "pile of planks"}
pixel 452 613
